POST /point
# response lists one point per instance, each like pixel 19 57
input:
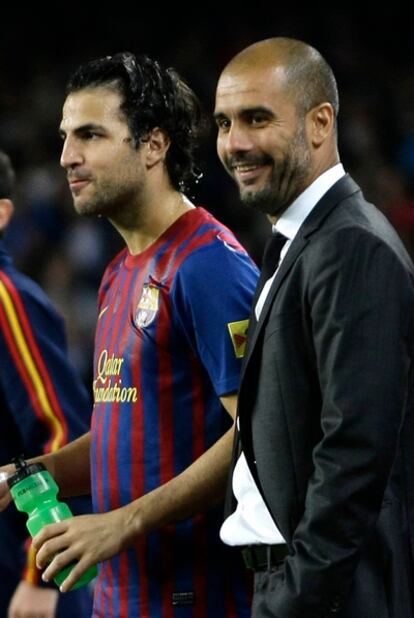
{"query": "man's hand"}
pixel 87 539
pixel 29 601
pixel 5 496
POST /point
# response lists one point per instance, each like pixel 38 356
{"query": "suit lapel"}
pixel 294 251
pixel 339 191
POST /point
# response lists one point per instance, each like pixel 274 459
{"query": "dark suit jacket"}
pixel 326 410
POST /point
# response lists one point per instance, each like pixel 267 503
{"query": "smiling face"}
pixel 105 172
pixel 262 139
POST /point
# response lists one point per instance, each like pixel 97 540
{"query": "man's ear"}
pixel 321 121
pixel 158 143
pixel 6 213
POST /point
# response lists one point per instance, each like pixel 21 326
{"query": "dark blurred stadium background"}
pixel 371 52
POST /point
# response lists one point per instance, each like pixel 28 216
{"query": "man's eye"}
pixel 88 135
pixel 223 123
pixel 258 119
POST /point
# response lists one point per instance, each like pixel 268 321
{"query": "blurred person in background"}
pixel 43 406
pixel 173 316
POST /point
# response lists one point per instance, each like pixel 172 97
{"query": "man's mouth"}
pixel 248 172
pixel 76 184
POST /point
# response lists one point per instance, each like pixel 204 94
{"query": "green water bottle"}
pixel 34 491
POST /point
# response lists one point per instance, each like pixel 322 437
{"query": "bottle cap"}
pixel 23 471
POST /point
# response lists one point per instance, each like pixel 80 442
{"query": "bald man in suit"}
pixel 324 460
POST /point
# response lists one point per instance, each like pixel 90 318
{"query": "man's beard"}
pixel 288 179
pixel 265 200
pixel 111 200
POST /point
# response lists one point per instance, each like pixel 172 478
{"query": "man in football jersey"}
pixel 172 322
pixel 43 405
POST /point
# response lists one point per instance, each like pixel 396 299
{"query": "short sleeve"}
pixel 212 297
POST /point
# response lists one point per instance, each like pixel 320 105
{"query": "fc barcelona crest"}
pixel 148 306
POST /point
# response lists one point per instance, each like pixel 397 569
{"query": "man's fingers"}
pixel 49 532
pixel 79 568
pixel 55 565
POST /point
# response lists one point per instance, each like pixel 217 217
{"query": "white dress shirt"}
pixel 251 522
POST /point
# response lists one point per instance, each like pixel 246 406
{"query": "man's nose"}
pixel 71 154
pixel 238 139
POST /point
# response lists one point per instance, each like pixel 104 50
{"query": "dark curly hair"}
pixel 152 97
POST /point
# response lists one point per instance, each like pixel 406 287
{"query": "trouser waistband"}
pixel 262 557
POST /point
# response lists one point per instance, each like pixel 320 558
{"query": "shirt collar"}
pixel 293 217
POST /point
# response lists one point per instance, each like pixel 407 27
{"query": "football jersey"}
pixel 170 337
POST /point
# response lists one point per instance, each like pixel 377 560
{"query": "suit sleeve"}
pixel 361 300
pixel 46 404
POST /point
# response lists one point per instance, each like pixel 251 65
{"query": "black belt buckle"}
pixel 261 557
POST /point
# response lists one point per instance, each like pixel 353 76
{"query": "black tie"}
pixel 271 257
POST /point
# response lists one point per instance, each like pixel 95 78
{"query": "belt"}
pixel 262 557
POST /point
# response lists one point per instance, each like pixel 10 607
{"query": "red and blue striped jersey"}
pixel 171 329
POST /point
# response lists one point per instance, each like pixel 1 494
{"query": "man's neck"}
pixel 154 218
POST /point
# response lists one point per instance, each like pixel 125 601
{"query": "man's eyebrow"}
pixel 245 111
pixel 257 109
pixel 84 128
pixel 219 115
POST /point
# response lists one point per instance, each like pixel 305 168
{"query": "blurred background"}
pixel 372 54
